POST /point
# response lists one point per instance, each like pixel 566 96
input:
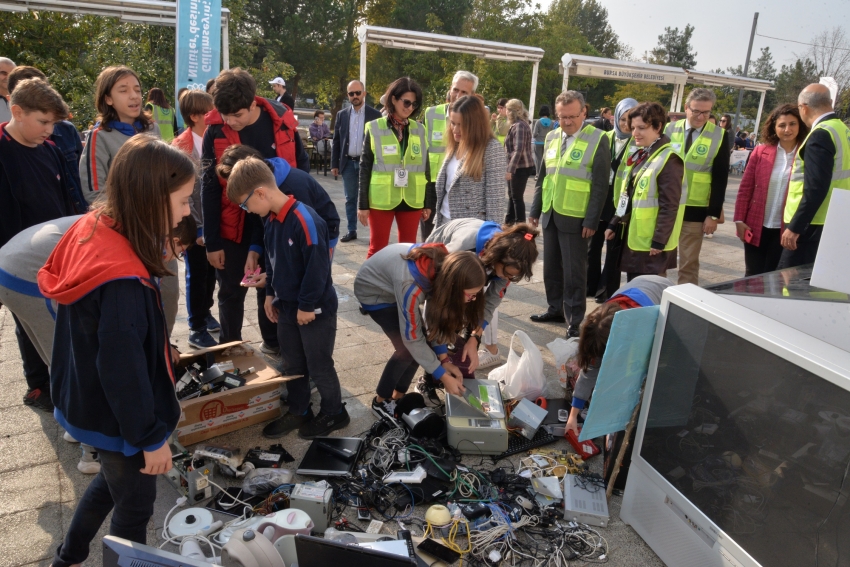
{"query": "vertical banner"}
pixel 198 48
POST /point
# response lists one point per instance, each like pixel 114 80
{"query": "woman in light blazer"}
pixel 471 183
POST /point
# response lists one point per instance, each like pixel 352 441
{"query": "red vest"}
pixel 285 130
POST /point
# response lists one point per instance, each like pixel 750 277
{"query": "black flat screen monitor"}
pixel 317 552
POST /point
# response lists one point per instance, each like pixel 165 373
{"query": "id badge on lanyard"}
pixel 400 177
pixel 623 205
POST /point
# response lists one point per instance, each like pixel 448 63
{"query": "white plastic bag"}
pixel 521 376
pixel 565 352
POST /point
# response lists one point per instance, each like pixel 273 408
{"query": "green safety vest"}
pixel 436 127
pixel 699 160
pixel 383 194
pixel 164 118
pixel 568 177
pixel 645 203
pixel 840 170
pixel 621 176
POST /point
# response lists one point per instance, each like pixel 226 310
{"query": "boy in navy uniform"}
pixel 300 297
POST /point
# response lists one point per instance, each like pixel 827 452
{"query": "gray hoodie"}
pixel 101 148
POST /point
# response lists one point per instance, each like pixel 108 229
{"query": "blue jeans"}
pixel 351 186
pixel 121 485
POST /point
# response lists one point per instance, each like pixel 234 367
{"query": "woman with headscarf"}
pixel 603 282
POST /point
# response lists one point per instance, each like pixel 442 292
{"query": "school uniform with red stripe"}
pixel 298 270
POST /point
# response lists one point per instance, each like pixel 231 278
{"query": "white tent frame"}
pixel 422 41
pixel 154 12
pixel 612 69
pixel 630 71
pixel 734 81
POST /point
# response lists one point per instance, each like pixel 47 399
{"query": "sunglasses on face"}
pixel 409 103
pixel 354 93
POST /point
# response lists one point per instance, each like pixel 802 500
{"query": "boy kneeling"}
pixel 300 298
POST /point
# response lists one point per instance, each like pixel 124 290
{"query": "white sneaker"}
pixel 88 462
pixel 487 358
pixel 67 437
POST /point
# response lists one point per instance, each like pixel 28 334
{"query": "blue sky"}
pixel 722 27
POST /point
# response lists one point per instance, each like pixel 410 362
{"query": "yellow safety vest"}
pixel 621 176
pixel 698 160
pixel 383 193
pixel 840 170
pixel 436 127
pixel 568 177
pixel 645 203
pixel 164 118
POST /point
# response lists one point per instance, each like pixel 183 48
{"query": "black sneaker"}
pixel 285 424
pixel 266 348
pixel 323 424
pixel 383 409
pixel 348 237
pixel 201 339
pixel 39 399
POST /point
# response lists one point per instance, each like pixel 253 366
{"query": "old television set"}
pixel 742 450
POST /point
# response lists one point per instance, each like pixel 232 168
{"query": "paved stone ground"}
pixel 39 482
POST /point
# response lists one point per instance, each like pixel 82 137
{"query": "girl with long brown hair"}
pixel 471 183
pixel 112 379
pixel 392 287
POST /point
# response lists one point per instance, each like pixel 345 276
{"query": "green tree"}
pixel 641 92
pixel 761 68
pixel 675 49
pixel 590 17
pixel 792 79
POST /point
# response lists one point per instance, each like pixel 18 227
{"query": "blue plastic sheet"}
pixel 622 373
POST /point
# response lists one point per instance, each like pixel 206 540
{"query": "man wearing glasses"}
pixel 571 188
pixel 822 165
pixel 704 149
pixel 436 125
pixel 349 130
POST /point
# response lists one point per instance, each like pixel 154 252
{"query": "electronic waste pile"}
pixel 461 493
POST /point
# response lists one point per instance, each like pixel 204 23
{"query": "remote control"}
pixel 405 535
pixel 344 454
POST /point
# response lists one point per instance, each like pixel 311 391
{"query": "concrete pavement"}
pixel 39 482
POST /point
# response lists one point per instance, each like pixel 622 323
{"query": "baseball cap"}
pixel 277 81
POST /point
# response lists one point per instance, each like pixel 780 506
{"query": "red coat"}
pixel 752 194
pixel 185 142
pixel 285 132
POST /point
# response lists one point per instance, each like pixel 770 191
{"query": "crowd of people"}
pixel 91 238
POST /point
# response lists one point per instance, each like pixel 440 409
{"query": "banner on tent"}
pixel 198 47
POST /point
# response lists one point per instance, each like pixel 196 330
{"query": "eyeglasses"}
pixel 470 296
pixel 569 118
pixel 355 93
pixel 698 113
pixel 722 120
pixel 409 103
pixel 244 204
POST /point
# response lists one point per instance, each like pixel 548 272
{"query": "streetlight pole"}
pixel 746 68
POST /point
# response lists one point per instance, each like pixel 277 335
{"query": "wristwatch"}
pixel 714 218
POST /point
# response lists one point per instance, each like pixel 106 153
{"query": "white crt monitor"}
pixel 742 448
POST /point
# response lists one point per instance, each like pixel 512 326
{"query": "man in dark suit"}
pixel 349 131
pixel 820 167
pixel 582 155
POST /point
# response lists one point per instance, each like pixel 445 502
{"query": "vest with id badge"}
pixel 645 203
pixel 698 160
pixel 620 178
pixel 567 184
pixel 396 177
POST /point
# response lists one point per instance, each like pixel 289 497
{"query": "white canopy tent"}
pixel 734 81
pixel 422 41
pixel 154 12
pixel 612 69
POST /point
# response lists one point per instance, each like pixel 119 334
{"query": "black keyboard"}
pixel 519 444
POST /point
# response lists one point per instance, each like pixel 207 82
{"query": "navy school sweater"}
pixel 298 267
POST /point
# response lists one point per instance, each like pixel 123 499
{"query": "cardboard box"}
pixel 216 414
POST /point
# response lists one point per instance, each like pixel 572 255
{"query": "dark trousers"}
pixel 764 257
pixel 308 350
pixel 401 367
pixel 603 281
pixel 426 227
pixel 565 272
pixel 231 296
pixel 807 249
pixel 200 287
pixel 35 370
pixel 516 195
pixel 119 485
